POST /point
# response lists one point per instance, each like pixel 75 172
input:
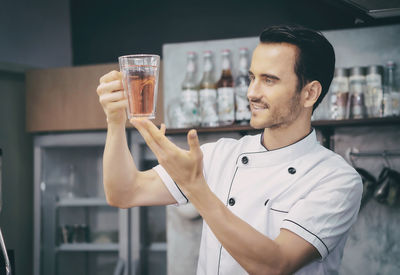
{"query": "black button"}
pixel 231 201
pixel 292 170
pixel 245 160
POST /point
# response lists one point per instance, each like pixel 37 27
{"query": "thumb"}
pixel 193 142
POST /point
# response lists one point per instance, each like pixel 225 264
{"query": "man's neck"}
pixel 275 138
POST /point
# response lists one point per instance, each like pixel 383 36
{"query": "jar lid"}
pixel 207 53
pixel 374 69
pixel 357 71
pixel 341 72
pixel 390 64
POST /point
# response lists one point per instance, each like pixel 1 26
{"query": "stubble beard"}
pixel 280 117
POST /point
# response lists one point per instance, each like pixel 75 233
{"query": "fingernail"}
pixel 193 133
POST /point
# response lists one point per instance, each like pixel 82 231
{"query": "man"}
pixel 276 203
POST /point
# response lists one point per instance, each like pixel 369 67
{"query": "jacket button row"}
pixel 292 170
pixel 231 201
pixel 245 160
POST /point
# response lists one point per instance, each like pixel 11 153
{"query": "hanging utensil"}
pixel 369 185
pixel 383 186
pixel 394 188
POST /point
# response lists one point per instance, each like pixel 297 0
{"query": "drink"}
pixel 242 106
pixel 190 94
pixel 208 94
pixel 140 87
pixel 140 80
pixel 226 94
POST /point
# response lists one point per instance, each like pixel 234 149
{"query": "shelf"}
pixel 84 247
pixel 158 247
pixel 79 202
pixel 316 124
pixel 229 128
pixel 379 121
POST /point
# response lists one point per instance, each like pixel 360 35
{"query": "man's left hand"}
pixel 184 167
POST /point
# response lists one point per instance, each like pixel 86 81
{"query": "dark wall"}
pixel 103 31
pixel 16 218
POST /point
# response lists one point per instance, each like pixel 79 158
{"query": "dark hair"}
pixel 315 59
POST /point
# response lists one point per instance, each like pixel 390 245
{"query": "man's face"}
pixel 274 99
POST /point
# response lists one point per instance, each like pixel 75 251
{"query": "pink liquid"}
pixel 140 86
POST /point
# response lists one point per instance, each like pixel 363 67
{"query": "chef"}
pixel 274 203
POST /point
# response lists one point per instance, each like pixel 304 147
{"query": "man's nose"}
pixel 254 92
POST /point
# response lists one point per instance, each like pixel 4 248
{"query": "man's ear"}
pixel 311 93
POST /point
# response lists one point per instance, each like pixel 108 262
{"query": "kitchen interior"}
pixel 54 217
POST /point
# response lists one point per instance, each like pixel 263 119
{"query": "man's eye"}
pixel 269 81
pixel 251 77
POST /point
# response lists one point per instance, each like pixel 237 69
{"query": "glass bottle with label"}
pixel 391 95
pixel 339 94
pixel 242 106
pixel 190 93
pixel 374 92
pixel 208 94
pixel 226 94
pixel 358 86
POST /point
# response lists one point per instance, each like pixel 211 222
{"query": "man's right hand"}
pixel 112 98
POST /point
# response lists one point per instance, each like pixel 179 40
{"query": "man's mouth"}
pixel 258 106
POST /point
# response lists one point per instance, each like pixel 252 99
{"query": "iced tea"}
pixel 140 78
pixel 140 86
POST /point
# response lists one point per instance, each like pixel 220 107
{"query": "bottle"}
pixel 339 94
pixel 374 92
pixel 190 94
pixel 357 86
pixel 391 95
pixel 242 106
pixel 226 93
pixel 208 94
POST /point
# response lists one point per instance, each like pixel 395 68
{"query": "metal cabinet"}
pixel 75 230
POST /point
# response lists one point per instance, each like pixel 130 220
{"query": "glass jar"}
pixel 357 86
pixel 374 92
pixel 339 94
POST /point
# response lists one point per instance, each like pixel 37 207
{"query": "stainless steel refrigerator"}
pixel 75 230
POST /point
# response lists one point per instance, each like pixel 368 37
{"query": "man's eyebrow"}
pixel 266 75
pixel 270 76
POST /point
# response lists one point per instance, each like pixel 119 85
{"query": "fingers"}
pixel 112 97
pixel 109 87
pixel 159 136
pixel 116 106
pixel 155 137
pixel 140 126
pixel 113 75
pixel 162 128
pixel 194 143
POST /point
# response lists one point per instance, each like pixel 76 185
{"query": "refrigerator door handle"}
pixel 120 267
pixel 4 250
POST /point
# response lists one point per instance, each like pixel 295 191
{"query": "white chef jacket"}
pixel 303 187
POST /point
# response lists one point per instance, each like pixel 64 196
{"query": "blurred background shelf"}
pixel 378 121
pixel 318 123
pixel 81 202
pixel 158 247
pixel 88 247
